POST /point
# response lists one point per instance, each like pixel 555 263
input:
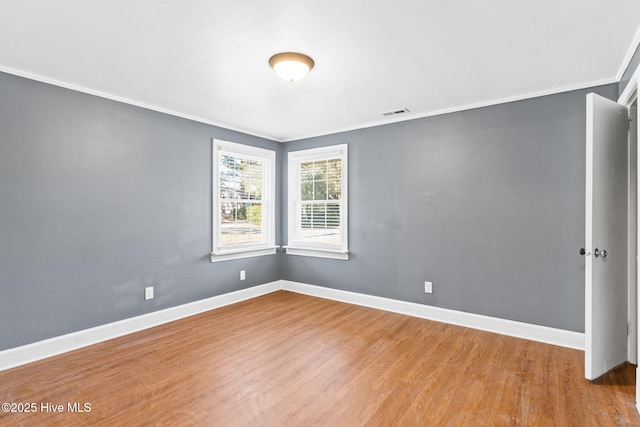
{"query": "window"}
pixel 243 201
pixel 318 202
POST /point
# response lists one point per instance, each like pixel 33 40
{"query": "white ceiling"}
pixel 208 59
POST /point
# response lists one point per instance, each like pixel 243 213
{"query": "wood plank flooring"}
pixel 285 359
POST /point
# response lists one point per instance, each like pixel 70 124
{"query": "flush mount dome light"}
pixel 291 66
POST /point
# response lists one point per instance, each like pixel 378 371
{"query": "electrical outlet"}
pixel 148 293
pixel 242 275
pixel 428 287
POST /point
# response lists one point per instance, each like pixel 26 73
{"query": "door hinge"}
pixel 629 329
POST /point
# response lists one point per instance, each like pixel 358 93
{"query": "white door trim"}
pixel 630 93
pixel 632 222
pixel 627 98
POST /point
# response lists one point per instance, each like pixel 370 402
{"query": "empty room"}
pixel 292 213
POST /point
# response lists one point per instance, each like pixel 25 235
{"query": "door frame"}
pixel 627 98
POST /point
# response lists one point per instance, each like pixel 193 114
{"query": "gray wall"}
pixel 631 68
pixel 487 203
pixel 98 200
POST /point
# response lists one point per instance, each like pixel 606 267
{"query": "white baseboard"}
pixel 53 346
pixel 527 331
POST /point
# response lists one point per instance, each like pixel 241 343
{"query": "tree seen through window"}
pixel 241 200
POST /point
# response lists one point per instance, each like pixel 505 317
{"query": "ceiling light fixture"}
pixel 291 66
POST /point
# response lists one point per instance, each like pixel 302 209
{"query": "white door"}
pixel 605 236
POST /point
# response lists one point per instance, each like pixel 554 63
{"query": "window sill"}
pixel 319 253
pixel 242 253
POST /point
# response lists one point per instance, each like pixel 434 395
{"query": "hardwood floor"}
pixel 286 359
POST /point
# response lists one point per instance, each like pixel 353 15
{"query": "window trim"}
pixel 268 246
pixel 294 160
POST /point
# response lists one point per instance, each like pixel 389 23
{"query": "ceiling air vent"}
pixel 395 112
